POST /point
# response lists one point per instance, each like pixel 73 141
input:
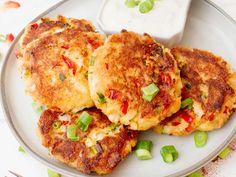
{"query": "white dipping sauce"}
pixel 165 21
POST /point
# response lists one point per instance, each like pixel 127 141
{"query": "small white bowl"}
pixel 165 22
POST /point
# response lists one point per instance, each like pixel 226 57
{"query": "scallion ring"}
pixel 200 138
pixel 143 149
pixel 101 98
pixel 52 173
pixel 84 121
pixel 188 102
pixel 169 153
pixel 132 3
pixel 146 6
pixel 71 132
pixel 149 92
pixel 224 153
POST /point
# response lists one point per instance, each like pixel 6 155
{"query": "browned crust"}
pixel 51 25
pixel 129 62
pixel 203 69
pixel 44 62
pixel 76 154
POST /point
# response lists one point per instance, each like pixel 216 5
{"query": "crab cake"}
pixel 55 68
pixel 209 88
pixel 49 26
pixel 99 148
pixel 134 80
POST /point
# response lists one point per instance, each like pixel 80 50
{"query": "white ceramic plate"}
pixel 207 27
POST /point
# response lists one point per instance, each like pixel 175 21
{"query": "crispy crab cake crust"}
pixel 126 63
pixel 111 145
pixel 55 68
pixel 49 26
pixel 211 84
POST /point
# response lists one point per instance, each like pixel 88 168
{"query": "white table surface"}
pixel 12 21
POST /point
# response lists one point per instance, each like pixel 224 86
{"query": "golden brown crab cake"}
pixel 49 26
pixel 211 84
pixel 55 68
pixel 122 68
pixel 98 149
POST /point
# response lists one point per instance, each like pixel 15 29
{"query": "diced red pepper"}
pixel 226 109
pixel 11 4
pixel 55 108
pixel 107 66
pixel 9 38
pixel 189 128
pixel 17 53
pixel 55 65
pixel 124 107
pixel 175 123
pixel 70 64
pixel 65 122
pixel 65 47
pixel 186 117
pixel 34 26
pixel 165 79
pixel 93 43
pixel 211 117
pixel 113 94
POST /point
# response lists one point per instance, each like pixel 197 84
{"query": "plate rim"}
pixel 63 170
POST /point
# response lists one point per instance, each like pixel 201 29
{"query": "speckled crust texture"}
pixel 122 67
pixel 55 68
pixel 112 145
pixel 213 86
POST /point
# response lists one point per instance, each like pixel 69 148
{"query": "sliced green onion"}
pixel 37 108
pixel 62 77
pixel 92 59
pixel 196 174
pixel 21 149
pixel 188 86
pixel 2 38
pixel 188 102
pixel 132 3
pixel 71 132
pixel 84 121
pixel 200 138
pixel 146 6
pixel 143 149
pixel 52 173
pixel 113 126
pixel 225 153
pixel 101 98
pixel 169 153
pixel 56 125
pixel 150 92
pixel 93 149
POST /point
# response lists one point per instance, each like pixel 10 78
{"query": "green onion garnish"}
pixel 132 3
pixel 52 173
pixel 101 98
pixel 21 149
pixel 146 6
pixel 84 121
pixel 56 125
pixel 200 138
pixel 93 149
pixel 143 149
pixel 188 86
pixel 37 108
pixel 62 77
pixel 92 59
pixel 169 153
pixel 71 132
pixel 196 174
pixel 188 102
pixel 113 126
pixel 224 153
pixel 150 92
